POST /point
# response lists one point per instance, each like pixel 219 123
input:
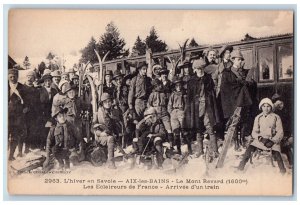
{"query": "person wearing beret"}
pixel 17 108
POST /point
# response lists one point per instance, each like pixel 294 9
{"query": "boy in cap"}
pixel 267 133
pixel 61 139
pixel 150 135
pixel 17 108
pixel 176 107
pixel 105 116
pixel 159 101
pixel 139 91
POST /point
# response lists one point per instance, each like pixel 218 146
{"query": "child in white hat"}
pixel 267 133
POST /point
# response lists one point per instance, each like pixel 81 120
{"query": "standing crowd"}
pixel 170 108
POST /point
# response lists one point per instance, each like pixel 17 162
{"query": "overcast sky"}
pixel 37 32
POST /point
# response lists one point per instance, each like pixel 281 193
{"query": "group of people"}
pixel 167 108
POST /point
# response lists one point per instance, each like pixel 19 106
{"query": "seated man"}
pixel 150 134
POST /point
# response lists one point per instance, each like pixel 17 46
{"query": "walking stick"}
pixel 146 147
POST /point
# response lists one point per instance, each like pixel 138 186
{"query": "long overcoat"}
pixel 193 104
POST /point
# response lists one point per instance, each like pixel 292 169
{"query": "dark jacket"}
pixel 140 88
pixel 235 92
pixel 192 108
pixel 16 111
pixel 46 102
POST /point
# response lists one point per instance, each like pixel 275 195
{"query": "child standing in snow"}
pixel 267 133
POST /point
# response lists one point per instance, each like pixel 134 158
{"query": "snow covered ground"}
pixel 259 176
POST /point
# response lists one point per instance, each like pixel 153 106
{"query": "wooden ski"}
pixel 101 72
pixel 234 120
pixel 94 97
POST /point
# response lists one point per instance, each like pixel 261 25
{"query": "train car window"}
pixel 248 56
pixel 265 60
pixel 285 61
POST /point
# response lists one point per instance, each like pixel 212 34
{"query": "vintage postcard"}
pixel 150 102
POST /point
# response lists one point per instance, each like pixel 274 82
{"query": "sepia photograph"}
pixel 150 102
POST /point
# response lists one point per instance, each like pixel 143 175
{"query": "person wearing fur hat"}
pixel 17 108
pixel 46 99
pixel 139 91
pixel 149 136
pixel 106 116
pixel 201 111
pixel 238 91
pixel 176 108
pixel 159 101
pixel 61 139
pixel 267 134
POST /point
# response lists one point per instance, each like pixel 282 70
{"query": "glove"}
pixel 266 142
pixel 269 143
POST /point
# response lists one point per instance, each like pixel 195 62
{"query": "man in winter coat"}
pixel 267 133
pixel 202 111
pixel 33 139
pixel 237 91
pixel 225 63
pixel 47 94
pixel 139 91
pixel 17 108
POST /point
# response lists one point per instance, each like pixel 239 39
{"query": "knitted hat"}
pixel 267 101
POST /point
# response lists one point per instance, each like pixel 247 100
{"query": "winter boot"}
pixel 110 154
pixel 199 139
pixel 12 148
pixel 171 139
pixel 20 149
pixel 177 143
pixel 159 154
pixel 189 143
